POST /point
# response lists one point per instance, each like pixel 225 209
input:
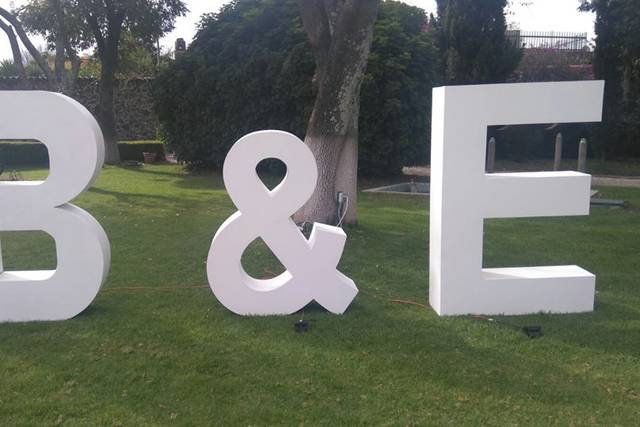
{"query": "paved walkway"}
pixel 616 181
pixel 598 181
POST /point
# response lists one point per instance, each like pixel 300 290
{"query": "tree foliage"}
pixel 39 17
pixel 617 61
pixel 70 25
pixel 553 65
pixel 14 30
pixel 396 94
pixel 250 67
pixel 137 54
pixel 8 68
pixel 472 41
pixel 108 20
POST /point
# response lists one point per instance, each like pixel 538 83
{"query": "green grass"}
pixel 171 354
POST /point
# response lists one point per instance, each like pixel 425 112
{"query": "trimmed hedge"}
pixel 522 143
pixel 21 153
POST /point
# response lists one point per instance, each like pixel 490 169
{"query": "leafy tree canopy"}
pixel 472 42
pixel 143 23
pixel 39 17
pixel 8 68
pixel 144 19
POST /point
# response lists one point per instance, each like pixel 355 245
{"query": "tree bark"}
pixel 108 53
pixel 75 68
pixel 106 113
pixel 60 38
pixel 15 49
pixel 340 33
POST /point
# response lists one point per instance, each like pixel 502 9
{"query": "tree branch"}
pixel 15 49
pixel 92 20
pixel 30 47
pixel 60 38
pixel 75 65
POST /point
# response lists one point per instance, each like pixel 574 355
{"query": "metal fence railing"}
pixel 548 40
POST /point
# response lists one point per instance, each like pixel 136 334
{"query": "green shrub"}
pixel 21 153
pixel 395 100
pixel 523 143
pixel 250 67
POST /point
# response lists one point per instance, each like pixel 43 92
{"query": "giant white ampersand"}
pixel 311 264
pixel 463 195
pixel 76 154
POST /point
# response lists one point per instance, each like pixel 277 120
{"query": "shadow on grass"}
pixel 94 310
pixel 151 200
pixel 155 171
pixel 390 353
pixel 394 348
pixel 611 329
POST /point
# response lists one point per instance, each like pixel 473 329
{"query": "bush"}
pixel 20 153
pixel 395 113
pixel 553 65
pixel 523 143
pixel 250 67
pixel 30 153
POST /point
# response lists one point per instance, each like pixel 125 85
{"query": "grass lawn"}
pixel 157 348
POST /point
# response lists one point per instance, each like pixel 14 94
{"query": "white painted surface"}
pixel 463 195
pixel 76 153
pixel 311 264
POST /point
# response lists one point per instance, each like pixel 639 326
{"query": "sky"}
pixel 538 15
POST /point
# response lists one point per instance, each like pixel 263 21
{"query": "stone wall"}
pixel 135 119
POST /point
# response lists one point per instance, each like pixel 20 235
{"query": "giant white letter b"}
pixel 76 154
pixel 463 195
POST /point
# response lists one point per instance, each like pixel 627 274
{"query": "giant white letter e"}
pixel 463 195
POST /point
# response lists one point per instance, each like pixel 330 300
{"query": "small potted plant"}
pixel 149 157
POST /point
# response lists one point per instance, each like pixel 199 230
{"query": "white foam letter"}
pixel 76 154
pixel 311 263
pixel 463 195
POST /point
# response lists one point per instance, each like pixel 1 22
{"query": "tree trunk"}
pixel 60 62
pixel 108 53
pixel 347 177
pixel 75 73
pixel 106 113
pixel 340 33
